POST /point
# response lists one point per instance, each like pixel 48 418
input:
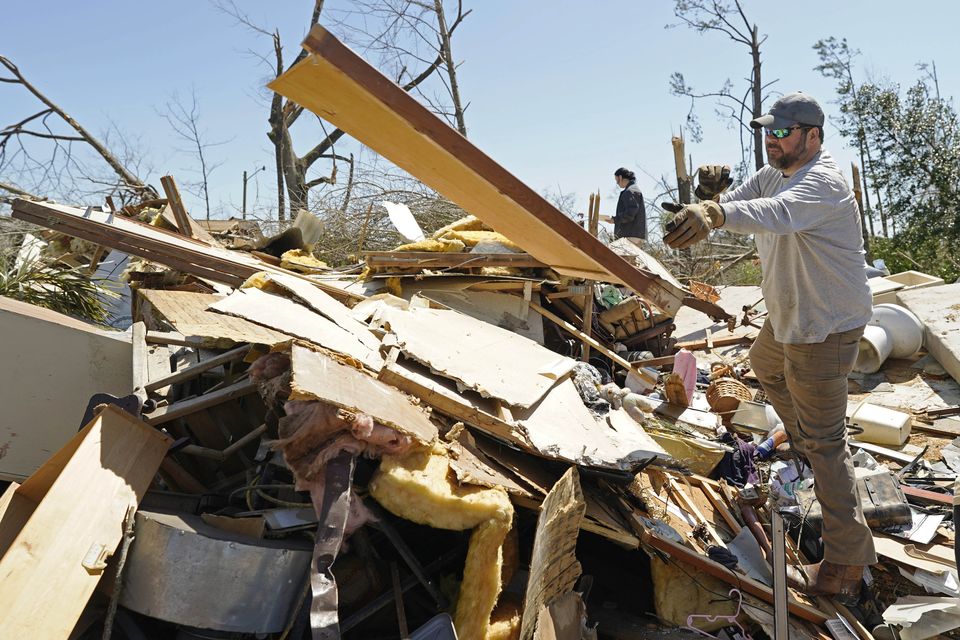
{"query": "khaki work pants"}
pixel 807 385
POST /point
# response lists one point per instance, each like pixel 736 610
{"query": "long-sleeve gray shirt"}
pixel 807 230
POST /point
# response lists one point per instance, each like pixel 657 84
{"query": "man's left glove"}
pixel 712 180
pixel 692 222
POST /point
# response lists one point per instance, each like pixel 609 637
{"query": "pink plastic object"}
pixel 685 365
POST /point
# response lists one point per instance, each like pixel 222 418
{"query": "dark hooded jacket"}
pixel 631 218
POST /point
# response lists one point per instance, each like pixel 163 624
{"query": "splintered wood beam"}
pixel 184 224
pixel 343 89
pixel 569 328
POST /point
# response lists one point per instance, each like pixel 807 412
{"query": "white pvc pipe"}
pixel 893 332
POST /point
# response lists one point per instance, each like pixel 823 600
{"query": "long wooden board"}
pixel 340 87
pixel 153 243
pixel 65 515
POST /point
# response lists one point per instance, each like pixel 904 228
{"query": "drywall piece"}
pixel 286 315
pixel 189 314
pixel 466 406
pixel 554 568
pixel 52 365
pixel 65 520
pixel 561 427
pixel 939 310
pixel 317 376
pixel 322 302
pixel 492 361
pixel 339 86
pixel 503 310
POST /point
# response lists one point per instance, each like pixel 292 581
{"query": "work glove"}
pixel 692 222
pixel 712 180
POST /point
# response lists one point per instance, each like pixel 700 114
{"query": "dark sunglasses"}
pixel 780 134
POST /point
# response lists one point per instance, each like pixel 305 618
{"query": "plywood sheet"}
pixel 492 361
pixel 317 376
pixel 561 427
pixel 188 312
pixel 64 515
pixel 327 305
pixel 343 89
pixel 297 320
pixel 939 310
pixel 554 568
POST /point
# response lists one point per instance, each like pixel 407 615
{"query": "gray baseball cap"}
pixel 793 108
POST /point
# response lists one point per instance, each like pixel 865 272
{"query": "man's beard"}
pixel 787 160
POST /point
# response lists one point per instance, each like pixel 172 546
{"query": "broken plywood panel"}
pixel 290 317
pixel 939 310
pixel 317 376
pixel 324 303
pixel 342 88
pixel 554 568
pixel 561 427
pixel 66 517
pixel 188 313
pixel 492 361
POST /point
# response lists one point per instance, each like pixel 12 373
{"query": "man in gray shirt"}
pixel 807 229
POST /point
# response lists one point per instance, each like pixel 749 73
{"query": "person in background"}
pixel 806 225
pixel 630 220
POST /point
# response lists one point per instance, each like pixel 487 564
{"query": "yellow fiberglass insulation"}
pixel 419 486
pixel 473 238
pixel 303 261
pixel 440 245
pixel 469 223
pixel 259 280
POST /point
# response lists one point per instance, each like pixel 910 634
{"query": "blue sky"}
pixel 561 93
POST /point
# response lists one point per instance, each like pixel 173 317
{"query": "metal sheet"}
pixel 182 570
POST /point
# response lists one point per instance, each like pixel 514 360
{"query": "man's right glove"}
pixel 692 222
pixel 712 180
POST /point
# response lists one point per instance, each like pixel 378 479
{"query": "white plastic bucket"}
pixel 881 425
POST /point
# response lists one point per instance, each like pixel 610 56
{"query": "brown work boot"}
pixel 828 579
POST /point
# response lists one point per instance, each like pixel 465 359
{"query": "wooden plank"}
pixel 317 376
pixel 569 328
pixel 66 515
pixel 189 313
pixel 176 204
pixel 713 343
pixel 343 89
pixel 926 496
pixel 139 359
pixel 554 568
pixel 195 370
pixel 155 244
pixel 717 570
pixel 186 407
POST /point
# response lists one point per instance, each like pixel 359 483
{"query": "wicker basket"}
pixel 725 394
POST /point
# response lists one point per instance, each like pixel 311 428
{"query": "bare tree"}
pixel 405 34
pixel 58 162
pixel 184 119
pixel 729 19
